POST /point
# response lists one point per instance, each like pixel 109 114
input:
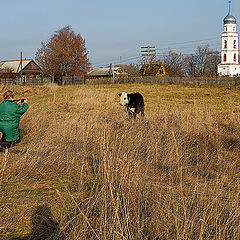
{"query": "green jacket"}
pixel 10 113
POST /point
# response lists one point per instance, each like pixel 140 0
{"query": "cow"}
pixel 134 103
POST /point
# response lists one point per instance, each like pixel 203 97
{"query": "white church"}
pixel 229 65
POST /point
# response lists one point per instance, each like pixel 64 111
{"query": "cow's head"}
pixel 123 99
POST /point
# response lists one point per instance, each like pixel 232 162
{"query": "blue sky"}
pixel 114 29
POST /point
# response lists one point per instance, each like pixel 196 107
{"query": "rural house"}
pixel 106 72
pixel 14 68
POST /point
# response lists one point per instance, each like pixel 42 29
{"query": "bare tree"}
pixel 174 63
pixel 203 63
pixel 213 59
pixel 201 59
pixel 7 73
pixel 64 54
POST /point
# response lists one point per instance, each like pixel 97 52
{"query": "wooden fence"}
pixel 77 80
pixel 26 81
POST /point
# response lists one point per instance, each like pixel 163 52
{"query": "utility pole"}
pixel 149 52
pixel 113 69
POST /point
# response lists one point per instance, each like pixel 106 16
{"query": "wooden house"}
pixel 28 68
pixel 106 72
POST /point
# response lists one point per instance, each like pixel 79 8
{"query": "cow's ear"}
pixel 119 94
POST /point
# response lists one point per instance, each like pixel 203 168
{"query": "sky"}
pixel 114 31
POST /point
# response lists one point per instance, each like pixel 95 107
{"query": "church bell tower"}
pixel 229 55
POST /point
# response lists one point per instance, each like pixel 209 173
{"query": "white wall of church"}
pixel 230 28
pixel 229 70
pixel 230 58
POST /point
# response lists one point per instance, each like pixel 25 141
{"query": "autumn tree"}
pixel 64 54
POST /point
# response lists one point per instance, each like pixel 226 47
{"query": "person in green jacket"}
pixel 10 113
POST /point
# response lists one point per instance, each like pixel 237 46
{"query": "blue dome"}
pixel 230 19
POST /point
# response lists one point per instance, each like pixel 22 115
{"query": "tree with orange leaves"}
pixel 64 54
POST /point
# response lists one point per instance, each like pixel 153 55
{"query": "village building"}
pixel 229 65
pixel 106 72
pixel 28 68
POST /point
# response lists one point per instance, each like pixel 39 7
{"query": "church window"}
pixel 235 57
pixel 225 43
pixel 235 44
pixel 224 57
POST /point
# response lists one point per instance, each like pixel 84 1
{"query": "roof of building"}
pixel 230 19
pixel 106 71
pixel 99 72
pixel 15 65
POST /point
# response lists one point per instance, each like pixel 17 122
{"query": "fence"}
pixel 227 82
pixel 26 81
pixel 74 80
pixel 221 82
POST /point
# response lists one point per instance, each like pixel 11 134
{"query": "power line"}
pixel 193 41
pixel 122 60
pixel 185 47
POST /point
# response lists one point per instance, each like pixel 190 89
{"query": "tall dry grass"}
pixel 173 175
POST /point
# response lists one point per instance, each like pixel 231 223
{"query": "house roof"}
pixel 15 65
pixel 99 72
pixel 106 71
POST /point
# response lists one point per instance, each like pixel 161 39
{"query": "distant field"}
pixel 84 171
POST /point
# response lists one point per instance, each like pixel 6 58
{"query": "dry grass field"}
pixel 85 171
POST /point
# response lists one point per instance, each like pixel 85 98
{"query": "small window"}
pixel 224 57
pixel 225 43
pixel 235 57
pixel 234 44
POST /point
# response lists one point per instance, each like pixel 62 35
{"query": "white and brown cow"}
pixel 134 103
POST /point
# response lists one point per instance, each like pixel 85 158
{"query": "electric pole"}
pixel 150 53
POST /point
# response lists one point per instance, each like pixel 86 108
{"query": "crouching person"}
pixel 10 113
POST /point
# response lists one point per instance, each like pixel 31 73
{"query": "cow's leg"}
pixel 133 112
pixel 134 115
pixel 142 112
pixel 130 114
